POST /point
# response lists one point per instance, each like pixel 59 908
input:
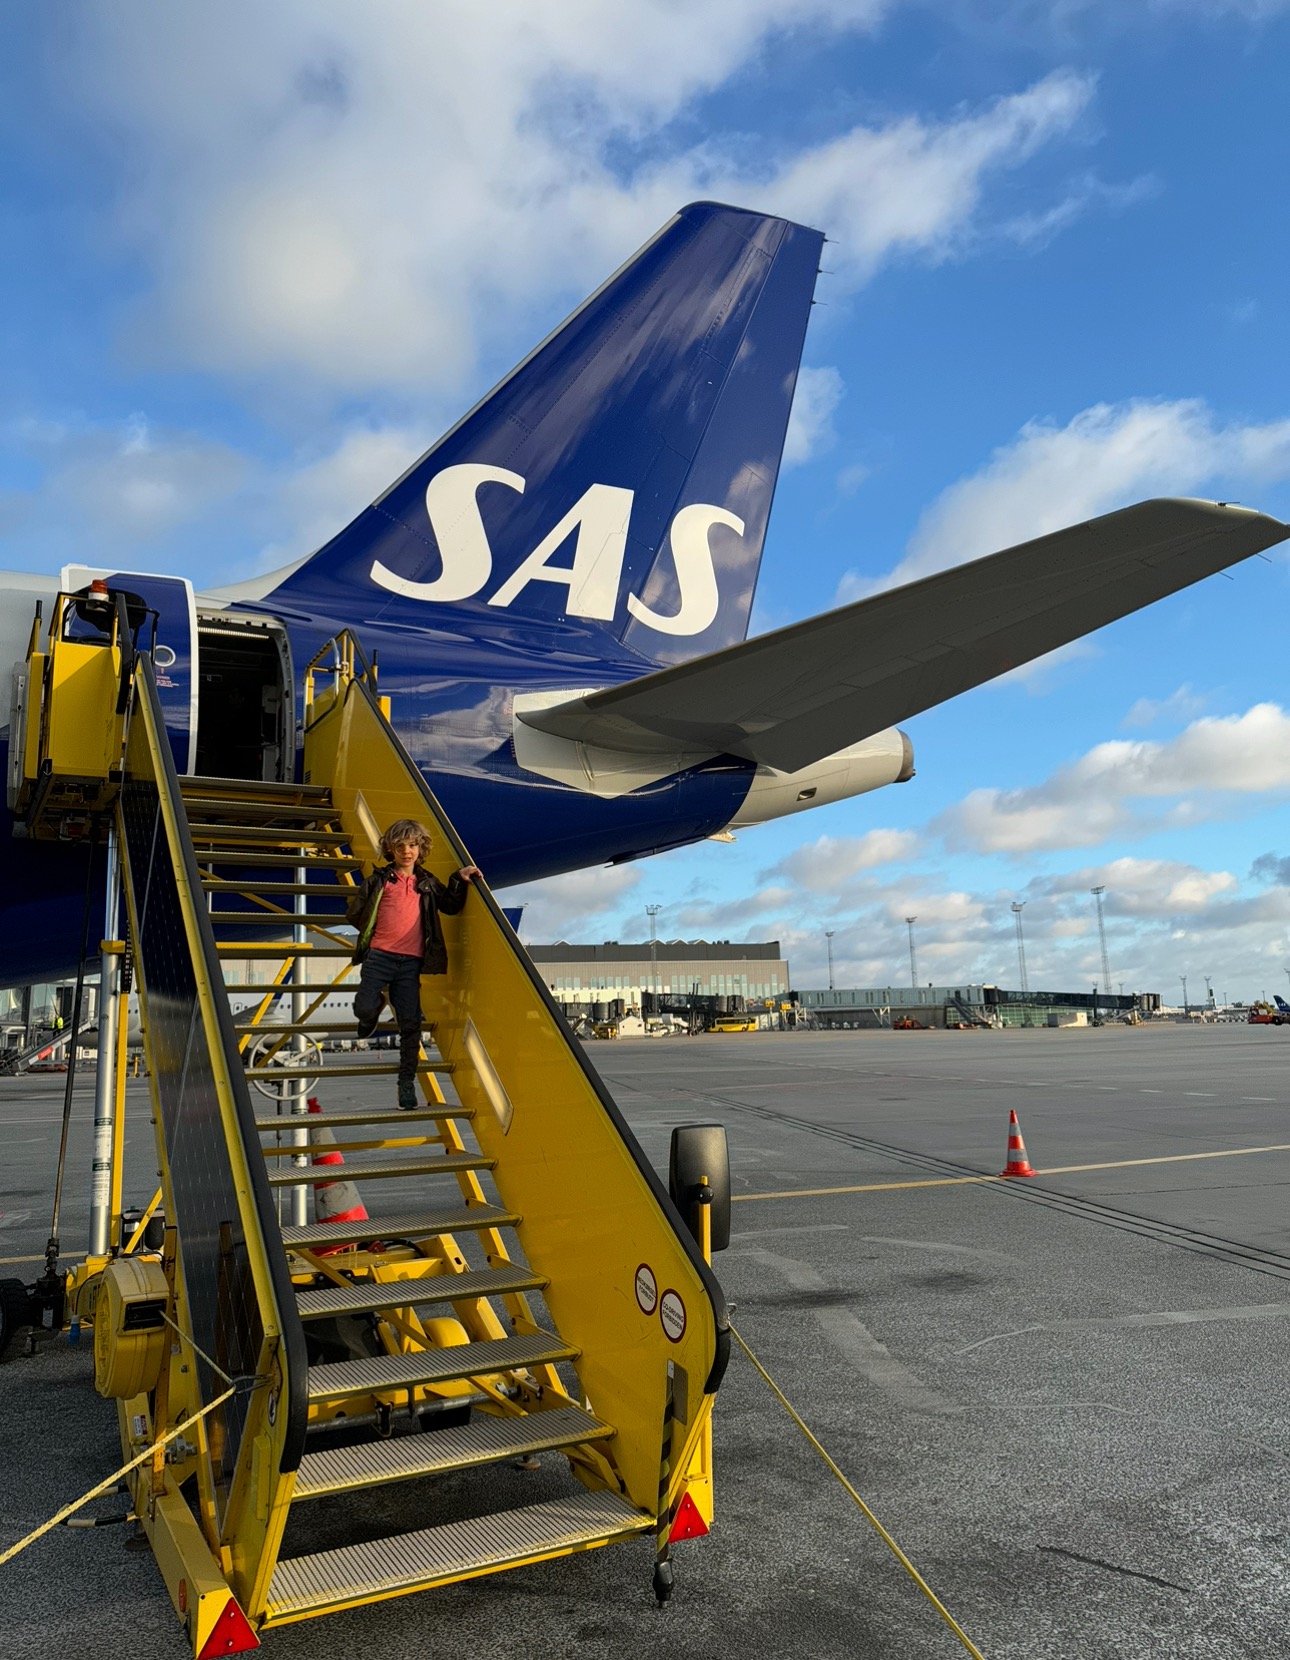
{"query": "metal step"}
pixel 253 789
pixel 266 835
pixel 281 948
pixel 299 813
pixel 487 1439
pixel 414 1225
pixel 304 1069
pixel 367 1296
pixel 281 919
pixel 267 861
pixel 337 1379
pixel 387 1028
pixel 447 1164
pixel 244 890
pixel 337 1120
pixel 344 1578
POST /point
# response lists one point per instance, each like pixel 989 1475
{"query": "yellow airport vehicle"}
pixel 734 1023
pixel 546 1298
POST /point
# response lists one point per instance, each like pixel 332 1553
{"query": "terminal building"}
pixel 969 1006
pixel 582 976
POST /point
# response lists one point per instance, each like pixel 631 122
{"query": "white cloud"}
pixel 1084 803
pixel 319 498
pixel 810 425
pixel 562 907
pixel 1106 457
pixel 825 864
pixel 1179 705
pixel 115 492
pixel 356 196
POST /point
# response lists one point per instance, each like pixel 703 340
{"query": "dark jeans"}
pixel 400 978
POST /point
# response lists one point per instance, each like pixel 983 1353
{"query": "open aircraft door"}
pixel 175 655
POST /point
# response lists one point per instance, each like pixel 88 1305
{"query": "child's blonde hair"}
pixel 402 831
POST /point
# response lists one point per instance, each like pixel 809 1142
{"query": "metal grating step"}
pixel 252 789
pixel 487 1439
pixel 280 919
pixel 447 1164
pixel 279 948
pixel 244 890
pixel 263 861
pixel 417 1225
pixel 466 1360
pixel 287 1121
pixel 306 1069
pixel 412 1561
pixel 256 811
pixel 266 835
pixel 367 1297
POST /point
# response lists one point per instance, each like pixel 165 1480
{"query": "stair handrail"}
pixel 279 1411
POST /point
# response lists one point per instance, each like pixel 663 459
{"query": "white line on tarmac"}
pixel 1169 1317
pixel 856 1343
pixel 820 1227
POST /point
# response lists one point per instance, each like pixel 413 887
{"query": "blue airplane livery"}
pixel 558 595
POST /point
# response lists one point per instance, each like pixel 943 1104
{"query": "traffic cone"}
pixel 334 1201
pixel 1018 1164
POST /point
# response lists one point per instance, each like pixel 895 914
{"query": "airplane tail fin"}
pixel 1282 1004
pixel 613 490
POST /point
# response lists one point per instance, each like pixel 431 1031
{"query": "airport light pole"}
pixel 651 911
pixel 1017 908
pixel 1209 989
pixel 1186 1004
pixel 913 960
pixel 1101 934
pixel 828 941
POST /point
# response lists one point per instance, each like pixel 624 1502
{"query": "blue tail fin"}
pixel 1282 1004
pixel 614 489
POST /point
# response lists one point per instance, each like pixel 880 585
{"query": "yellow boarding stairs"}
pixel 525 1286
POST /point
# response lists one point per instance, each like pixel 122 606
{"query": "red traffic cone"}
pixel 334 1201
pixel 1018 1164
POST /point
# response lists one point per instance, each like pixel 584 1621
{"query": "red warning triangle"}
pixel 231 1634
pixel 689 1524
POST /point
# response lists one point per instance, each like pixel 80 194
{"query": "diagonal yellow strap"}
pixel 869 1516
pixel 103 1486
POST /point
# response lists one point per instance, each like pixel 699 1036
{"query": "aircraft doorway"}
pixel 244 708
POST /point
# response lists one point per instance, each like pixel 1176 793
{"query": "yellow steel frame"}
pixel 591 1218
pixel 246 1546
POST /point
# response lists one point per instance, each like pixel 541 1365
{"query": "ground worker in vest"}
pixel 396 912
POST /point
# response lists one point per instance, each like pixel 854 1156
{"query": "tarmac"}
pixel 1065 1397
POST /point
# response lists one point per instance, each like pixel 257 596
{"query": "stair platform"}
pixel 335 1579
pixel 284 1121
pixel 486 1439
pixel 337 1379
pixel 418 1225
pixel 367 1296
pixel 447 1164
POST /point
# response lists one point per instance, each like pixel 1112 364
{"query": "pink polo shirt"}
pixel 398 921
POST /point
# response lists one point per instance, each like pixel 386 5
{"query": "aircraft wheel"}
pixel 15 1310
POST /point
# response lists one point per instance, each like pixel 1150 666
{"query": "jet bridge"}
pixel 524 1285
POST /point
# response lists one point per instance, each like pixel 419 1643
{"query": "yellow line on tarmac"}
pixel 872 1187
pixel 1051 1170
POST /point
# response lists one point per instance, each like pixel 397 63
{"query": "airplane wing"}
pixel 789 698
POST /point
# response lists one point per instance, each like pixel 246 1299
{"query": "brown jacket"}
pixel 435 897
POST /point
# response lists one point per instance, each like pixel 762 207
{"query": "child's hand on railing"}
pixel 468 873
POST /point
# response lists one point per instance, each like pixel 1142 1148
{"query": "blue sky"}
pixel 255 259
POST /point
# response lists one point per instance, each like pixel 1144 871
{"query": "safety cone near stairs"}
pixel 334 1201
pixel 1018 1164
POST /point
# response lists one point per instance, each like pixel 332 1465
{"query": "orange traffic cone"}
pixel 334 1201
pixel 1018 1164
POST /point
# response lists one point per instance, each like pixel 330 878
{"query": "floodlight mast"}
pixel 1017 908
pixel 913 960
pixel 1101 934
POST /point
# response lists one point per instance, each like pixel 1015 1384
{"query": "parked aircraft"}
pixel 559 593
